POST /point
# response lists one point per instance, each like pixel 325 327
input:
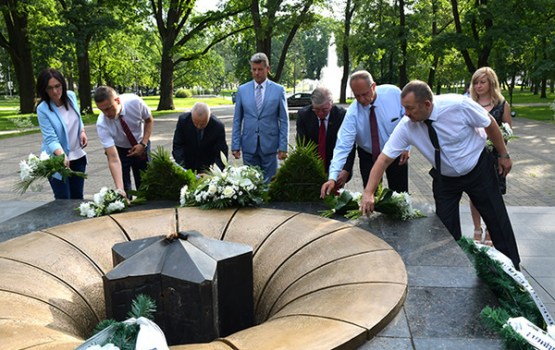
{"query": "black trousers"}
pixel 132 163
pixel 482 186
pixel 397 175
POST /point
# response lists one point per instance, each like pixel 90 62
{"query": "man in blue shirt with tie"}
pixel 260 122
pixel 385 100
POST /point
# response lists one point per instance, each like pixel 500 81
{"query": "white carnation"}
pixel 84 208
pixel 183 195
pixel 115 207
pixel 25 171
pixel 44 156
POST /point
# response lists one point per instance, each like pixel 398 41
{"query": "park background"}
pixel 163 49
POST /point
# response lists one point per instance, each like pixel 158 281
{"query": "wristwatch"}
pixel 507 156
pixel 142 144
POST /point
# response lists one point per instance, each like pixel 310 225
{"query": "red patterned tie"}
pixel 374 134
pixel 127 131
pixel 130 136
pixel 322 141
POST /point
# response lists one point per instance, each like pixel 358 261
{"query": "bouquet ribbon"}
pixel 518 277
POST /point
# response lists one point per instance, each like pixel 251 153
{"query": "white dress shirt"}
pixel 356 125
pixel 459 123
pixel 134 111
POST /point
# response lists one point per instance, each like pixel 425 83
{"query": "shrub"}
pixel 300 177
pixel 183 93
pixel 163 178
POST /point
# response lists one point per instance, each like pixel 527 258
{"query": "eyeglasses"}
pixel 55 87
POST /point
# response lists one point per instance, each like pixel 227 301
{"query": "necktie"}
pixel 258 98
pixel 435 142
pixel 200 134
pixel 130 136
pixel 374 134
pixel 322 141
pixel 127 131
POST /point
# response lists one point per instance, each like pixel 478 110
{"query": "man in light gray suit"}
pixel 260 122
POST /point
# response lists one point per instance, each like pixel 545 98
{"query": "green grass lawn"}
pixel 11 120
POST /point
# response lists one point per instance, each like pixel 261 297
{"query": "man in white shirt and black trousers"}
pixel 465 164
pixel 124 128
pixel 368 123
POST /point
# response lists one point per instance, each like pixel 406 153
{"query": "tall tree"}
pixel 277 18
pixel 17 44
pixel 178 25
pixel 479 20
pixel 98 19
pixel 350 9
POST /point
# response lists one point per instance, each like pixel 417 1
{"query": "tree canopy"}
pixel 154 46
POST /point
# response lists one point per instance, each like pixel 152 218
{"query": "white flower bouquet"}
pixel 507 134
pixel 42 167
pixel 107 201
pixel 346 203
pixel 234 186
pixel 397 206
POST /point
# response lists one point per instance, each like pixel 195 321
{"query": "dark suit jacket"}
pixel 187 151
pixel 308 128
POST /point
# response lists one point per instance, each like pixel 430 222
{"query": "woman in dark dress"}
pixel 484 89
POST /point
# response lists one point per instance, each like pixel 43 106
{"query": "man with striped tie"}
pixel 124 127
pixel 260 122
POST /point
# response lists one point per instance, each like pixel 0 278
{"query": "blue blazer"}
pixel 53 127
pixel 270 126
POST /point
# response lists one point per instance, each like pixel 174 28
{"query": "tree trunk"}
pixel 166 81
pixel 84 77
pixel 545 59
pixel 349 12
pixel 458 29
pixel 432 72
pixel 433 68
pixel 403 78
pixel 19 49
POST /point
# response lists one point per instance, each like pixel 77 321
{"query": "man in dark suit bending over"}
pixel 198 139
pixel 321 121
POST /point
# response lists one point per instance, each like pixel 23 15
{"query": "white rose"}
pixel 212 189
pixel 228 192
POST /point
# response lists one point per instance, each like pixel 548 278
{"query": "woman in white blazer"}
pixel 62 131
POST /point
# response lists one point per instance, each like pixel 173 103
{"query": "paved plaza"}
pixel 530 195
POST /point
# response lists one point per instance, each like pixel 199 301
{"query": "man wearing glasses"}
pixel 369 122
pixel 319 123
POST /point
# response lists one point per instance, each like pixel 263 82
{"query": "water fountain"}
pixel 331 74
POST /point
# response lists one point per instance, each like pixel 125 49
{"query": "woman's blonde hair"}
pixel 494 89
